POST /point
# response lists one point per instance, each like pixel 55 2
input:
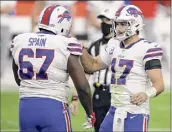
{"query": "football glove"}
pixel 90 121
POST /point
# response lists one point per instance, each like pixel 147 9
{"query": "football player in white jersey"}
pixel 136 67
pixel 42 63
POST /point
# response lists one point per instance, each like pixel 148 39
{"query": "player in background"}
pixel 42 63
pixel 136 67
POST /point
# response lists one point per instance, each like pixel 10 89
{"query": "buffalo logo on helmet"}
pixel 66 15
pixel 134 12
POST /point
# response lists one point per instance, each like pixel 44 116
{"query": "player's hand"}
pixel 138 98
pixel 90 121
pixel 74 107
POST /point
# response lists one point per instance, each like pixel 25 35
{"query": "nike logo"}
pixel 131 117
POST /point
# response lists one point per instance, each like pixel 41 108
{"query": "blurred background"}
pixel 21 16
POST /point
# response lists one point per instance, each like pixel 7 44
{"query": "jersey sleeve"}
pixel 74 47
pixel 153 51
pixel 107 53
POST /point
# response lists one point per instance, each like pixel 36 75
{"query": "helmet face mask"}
pixel 56 19
pixel 128 21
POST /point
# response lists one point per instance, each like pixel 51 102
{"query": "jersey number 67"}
pixel 41 75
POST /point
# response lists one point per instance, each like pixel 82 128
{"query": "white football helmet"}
pixel 56 19
pixel 134 18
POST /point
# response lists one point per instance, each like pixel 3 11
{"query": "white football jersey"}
pixel 129 75
pixel 42 62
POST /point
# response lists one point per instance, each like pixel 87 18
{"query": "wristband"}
pixel 151 92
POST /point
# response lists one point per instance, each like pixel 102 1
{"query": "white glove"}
pixel 90 121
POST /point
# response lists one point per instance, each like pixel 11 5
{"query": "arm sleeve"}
pixel 153 51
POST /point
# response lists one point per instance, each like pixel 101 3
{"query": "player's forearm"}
pixel 81 84
pixel 83 90
pixel 156 78
pixel 159 86
pixel 156 89
pixel 85 98
pixel 87 62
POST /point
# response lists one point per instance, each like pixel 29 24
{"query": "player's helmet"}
pixel 56 19
pixel 134 18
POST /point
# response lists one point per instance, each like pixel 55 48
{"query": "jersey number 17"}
pixel 122 79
